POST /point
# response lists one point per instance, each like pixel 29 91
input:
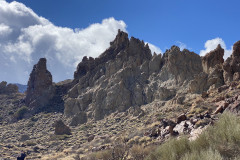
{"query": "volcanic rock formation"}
pixel 232 65
pixel 40 87
pixel 128 75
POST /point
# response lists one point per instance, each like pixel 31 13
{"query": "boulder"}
pixel 61 128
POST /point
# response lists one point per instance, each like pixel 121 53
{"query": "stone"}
pixel 181 118
pixel 232 64
pixel 91 137
pixel 219 109
pixel 211 59
pixel 155 132
pixel 40 87
pixel 61 128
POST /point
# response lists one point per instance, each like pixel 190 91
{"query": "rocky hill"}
pixel 126 92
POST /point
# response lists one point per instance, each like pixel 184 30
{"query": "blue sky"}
pixel 162 23
pixel 196 25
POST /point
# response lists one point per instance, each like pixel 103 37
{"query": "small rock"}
pixel 24 137
pixel 91 137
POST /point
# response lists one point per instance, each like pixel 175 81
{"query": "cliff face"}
pixel 128 75
pixel 232 65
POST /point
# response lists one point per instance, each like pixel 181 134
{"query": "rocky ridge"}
pixel 128 75
pixel 125 92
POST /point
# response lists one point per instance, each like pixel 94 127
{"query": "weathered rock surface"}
pixel 211 59
pixel 212 75
pixel 232 65
pixel 128 75
pixel 42 94
pixel 40 88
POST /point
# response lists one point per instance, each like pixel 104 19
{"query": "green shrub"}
pixel 138 152
pixel 21 112
pixel 203 155
pixel 171 150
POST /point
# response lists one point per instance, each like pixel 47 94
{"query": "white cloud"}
pixel 181 45
pixel 212 44
pixel 154 48
pixel 29 37
pixel 4 30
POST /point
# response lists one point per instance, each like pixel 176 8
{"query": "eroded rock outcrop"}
pixel 40 87
pixel 212 75
pixel 232 65
pixel 8 88
pixel 128 75
pixel 213 58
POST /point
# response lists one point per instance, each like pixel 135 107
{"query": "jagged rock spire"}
pixel 213 58
pixel 40 88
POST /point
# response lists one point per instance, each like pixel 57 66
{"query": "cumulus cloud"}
pixel 181 45
pixel 25 37
pixel 212 44
pixel 154 48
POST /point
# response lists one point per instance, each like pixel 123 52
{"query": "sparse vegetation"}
pixel 21 112
pixel 221 141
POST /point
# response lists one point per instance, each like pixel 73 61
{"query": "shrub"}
pixel 203 155
pixel 171 150
pixel 138 152
pixel 21 112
